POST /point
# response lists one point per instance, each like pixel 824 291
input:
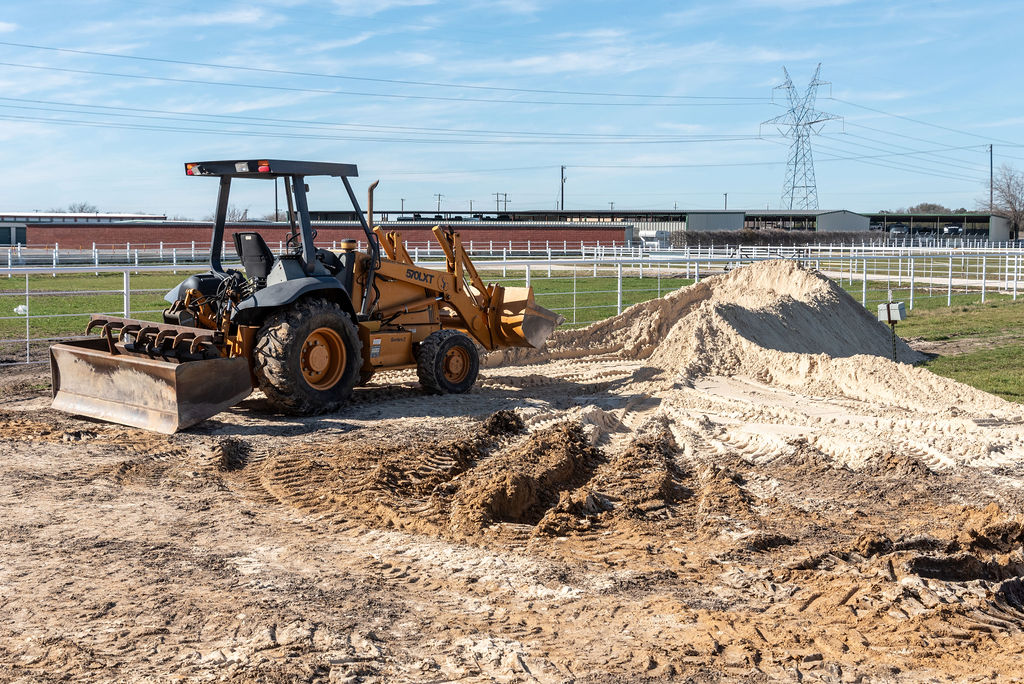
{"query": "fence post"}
pixel 193 254
pixel 174 259
pixel 618 288
pixel 910 267
pixel 9 274
pixel 504 260
pixel 161 250
pixel 528 276
pixel 54 274
pixel 984 277
pixel 949 285
pixel 549 262
pixel 96 259
pixel 127 285
pixel 28 324
pixel 127 252
pixel 1016 275
pixel 864 283
pixel 696 272
pixel 574 296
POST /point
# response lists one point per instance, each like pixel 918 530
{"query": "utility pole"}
pixel 497 201
pixel 611 206
pixel 990 183
pixel 403 206
pixel 439 197
pixel 505 200
pixel 726 200
pixel 470 206
pixel 563 187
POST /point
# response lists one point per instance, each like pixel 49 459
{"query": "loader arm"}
pixel 494 315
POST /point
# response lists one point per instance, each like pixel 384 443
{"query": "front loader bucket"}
pixel 524 323
pixel 142 391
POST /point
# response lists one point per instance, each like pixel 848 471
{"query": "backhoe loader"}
pixel 305 326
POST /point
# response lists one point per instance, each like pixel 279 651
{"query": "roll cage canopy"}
pixel 293 173
pixel 268 168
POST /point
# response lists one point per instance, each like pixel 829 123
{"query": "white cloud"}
pixel 240 17
pixel 326 46
pixel 243 17
pixel 362 8
pixel 515 6
pixel 796 5
pixel 878 95
pixel 7 27
pixel 628 56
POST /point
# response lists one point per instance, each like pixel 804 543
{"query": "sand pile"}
pixel 773 321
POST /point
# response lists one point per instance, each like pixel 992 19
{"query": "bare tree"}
pixel 234 214
pixel 76 208
pixel 1008 197
pixel 928 208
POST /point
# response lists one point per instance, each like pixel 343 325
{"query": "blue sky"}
pixel 648 104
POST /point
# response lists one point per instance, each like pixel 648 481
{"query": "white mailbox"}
pixel 892 312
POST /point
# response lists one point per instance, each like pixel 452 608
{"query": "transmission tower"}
pixel 798 123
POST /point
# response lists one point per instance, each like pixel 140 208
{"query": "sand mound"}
pixel 775 305
pixel 772 321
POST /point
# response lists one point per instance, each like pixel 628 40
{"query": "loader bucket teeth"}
pixel 142 337
pixel 182 338
pixel 127 330
pixel 145 385
pixel 98 322
pixel 199 342
pixel 161 336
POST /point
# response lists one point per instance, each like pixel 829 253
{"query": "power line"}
pixel 430 84
pixel 264 121
pixel 938 158
pixel 326 91
pixel 923 123
pixel 309 136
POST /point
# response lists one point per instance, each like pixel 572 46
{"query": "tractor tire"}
pixel 307 357
pixel 447 362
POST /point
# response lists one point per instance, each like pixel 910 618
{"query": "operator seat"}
pixel 257 258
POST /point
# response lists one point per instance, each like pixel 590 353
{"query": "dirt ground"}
pixel 702 489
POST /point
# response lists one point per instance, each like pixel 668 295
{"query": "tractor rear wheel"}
pixel 447 362
pixel 307 357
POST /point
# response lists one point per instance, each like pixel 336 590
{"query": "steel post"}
pixel 126 284
pixel 618 288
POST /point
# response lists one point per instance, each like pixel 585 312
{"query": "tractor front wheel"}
pixel 307 357
pixel 447 362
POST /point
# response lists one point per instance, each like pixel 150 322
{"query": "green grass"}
pixel 991 319
pixel 997 371
pixel 92 294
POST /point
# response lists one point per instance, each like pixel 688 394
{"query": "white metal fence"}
pixel 43 304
